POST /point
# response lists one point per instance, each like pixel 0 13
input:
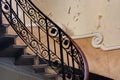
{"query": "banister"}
pixel 58 48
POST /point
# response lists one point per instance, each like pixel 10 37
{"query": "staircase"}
pixel 55 55
pixel 9 50
pixel 12 53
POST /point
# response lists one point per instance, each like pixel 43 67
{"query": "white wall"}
pixel 85 17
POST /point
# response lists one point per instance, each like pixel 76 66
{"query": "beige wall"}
pixel 105 63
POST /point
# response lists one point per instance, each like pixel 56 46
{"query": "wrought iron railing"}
pixel 46 39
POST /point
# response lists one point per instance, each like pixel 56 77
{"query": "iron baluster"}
pixel 61 55
pixel 39 35
pixel 48 43
pixel 17 9
pixel 68 63
pixel 31 26
pixel 73 65
pixel 24 18
pixel 54 46
pixel 11 11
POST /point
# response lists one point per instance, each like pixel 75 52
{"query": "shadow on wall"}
pixel 65 28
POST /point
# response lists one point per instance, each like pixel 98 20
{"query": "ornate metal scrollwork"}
pixel 42 22
pixel 5 7
pixel 23 33
pixel 54 33
pixel 66 43
pixel 22 1
pixel 33 44
pixel 31 12
pixel 45 54
pixel 14 21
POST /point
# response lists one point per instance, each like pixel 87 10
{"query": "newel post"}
pixel 0 12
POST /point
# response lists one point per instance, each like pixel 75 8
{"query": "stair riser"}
pixel 24 60
pixel 2 31
pixel 5 42
pixel 42 70
pixel 12 52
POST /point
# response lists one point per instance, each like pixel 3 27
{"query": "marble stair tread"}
pixel 40 66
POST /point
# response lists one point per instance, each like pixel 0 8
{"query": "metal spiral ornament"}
pixel 66 43
pixel 5 8
pixel 44 54
pixel 24 33
pixel 33 43
pixel 22 1
pixel 53 31
pixel 14 21
pixel 31 12
pixel 41 21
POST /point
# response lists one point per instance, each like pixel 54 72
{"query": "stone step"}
pixel 25 60
pixel 51 76
pixel 40 68
pixel 6 41
pixel 12 51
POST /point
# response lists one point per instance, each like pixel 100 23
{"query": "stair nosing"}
pixel 6 25
pixel 28 56
pixel 40 66
pixel 50 75
pixel 19 46
pixel 9 35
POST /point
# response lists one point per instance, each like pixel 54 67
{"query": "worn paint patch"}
pixel 67 30
pixel 108 0
pixel 100 17
pixel 69 10
pixel 50 14
pixel 68 24
pixel 76 17
pixel 78 13
pixel 99 21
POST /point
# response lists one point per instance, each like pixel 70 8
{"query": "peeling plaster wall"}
pixel 67 13
pixel 79 17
